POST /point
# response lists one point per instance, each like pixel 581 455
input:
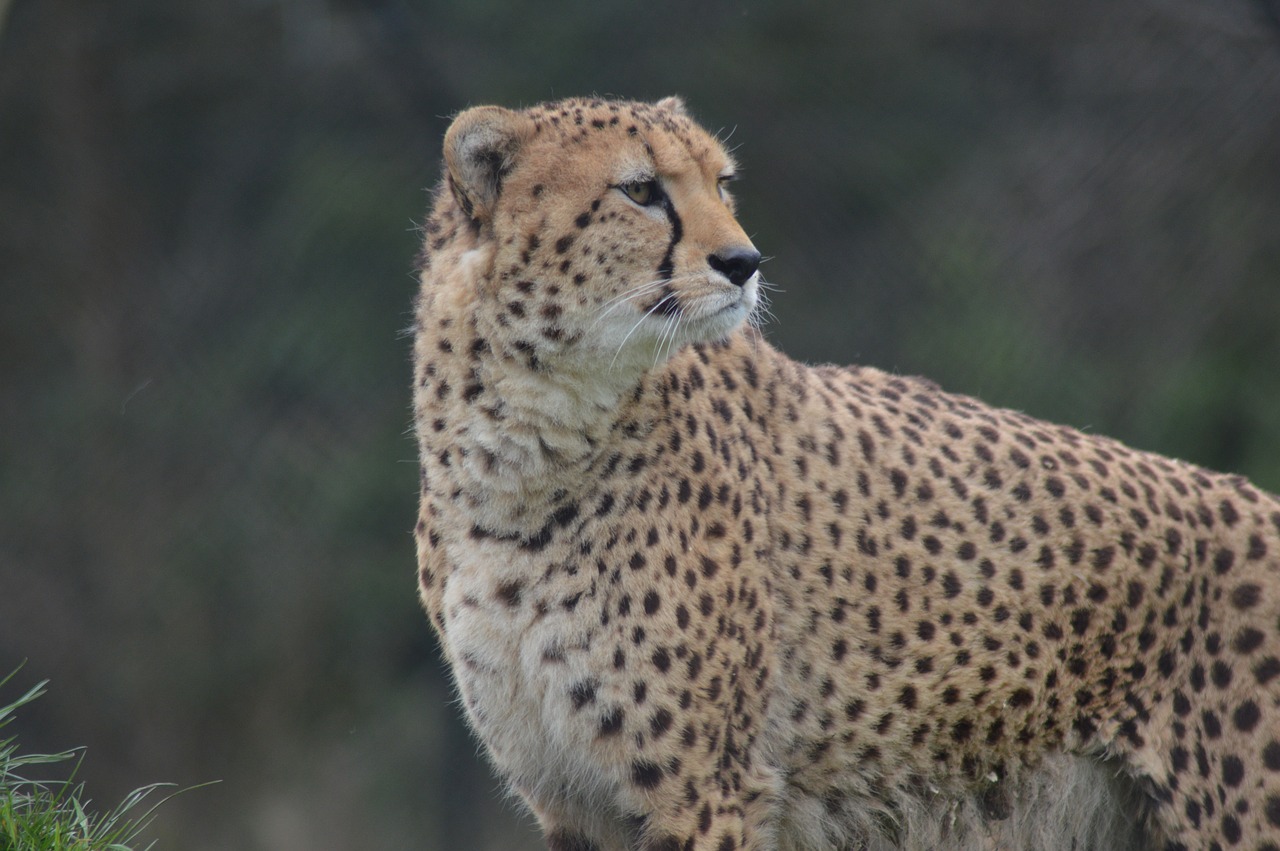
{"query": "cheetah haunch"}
pixel 699 596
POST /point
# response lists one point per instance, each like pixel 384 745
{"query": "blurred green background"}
pixel 207 226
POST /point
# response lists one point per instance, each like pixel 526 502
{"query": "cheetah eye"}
pixel 722 184
pixel 642 192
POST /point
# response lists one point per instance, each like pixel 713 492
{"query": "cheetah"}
pixel 696 595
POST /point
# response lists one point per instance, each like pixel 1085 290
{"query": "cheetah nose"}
pixel 736 263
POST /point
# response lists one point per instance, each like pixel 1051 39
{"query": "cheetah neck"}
pixel 516 442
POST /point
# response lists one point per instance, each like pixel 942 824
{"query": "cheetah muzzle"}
pixel 698 596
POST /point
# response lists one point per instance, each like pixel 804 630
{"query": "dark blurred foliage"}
pixel 207 225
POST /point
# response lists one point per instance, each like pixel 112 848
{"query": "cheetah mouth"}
pixel 698 304
pixel 721 309
pixel 689 310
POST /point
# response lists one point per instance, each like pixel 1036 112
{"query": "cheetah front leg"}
pixel 683 762
pixel 715 813
pixel 710 790
pixel 685 705
pixel 730 810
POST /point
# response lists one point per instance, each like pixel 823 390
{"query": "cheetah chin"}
pixel 696 595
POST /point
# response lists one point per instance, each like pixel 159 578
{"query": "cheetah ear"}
pixel 674 103
pixel 480 148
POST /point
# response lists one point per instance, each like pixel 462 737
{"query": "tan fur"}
pixel 698 596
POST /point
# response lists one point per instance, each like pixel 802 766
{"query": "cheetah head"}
pixel 601 229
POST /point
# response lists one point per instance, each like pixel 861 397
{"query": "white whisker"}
pixel 658 345
pixel 634 293
pixel 640 321
pixel 667 338
pixel 619 300
pixel 761 314
pixel 671 337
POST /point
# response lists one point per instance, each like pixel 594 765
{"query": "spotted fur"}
pixel 698 596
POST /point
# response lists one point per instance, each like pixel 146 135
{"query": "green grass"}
pixel 44 815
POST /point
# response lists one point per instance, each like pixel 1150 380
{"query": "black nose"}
pixel 737 264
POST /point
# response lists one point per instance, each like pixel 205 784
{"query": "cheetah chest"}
pixel 517 653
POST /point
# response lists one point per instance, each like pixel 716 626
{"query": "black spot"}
pixel 611 724
pixel 565 515
pixel 1267 670
pixel 1220 673
pixel 896 477
pixel 1247 640
pixel 1212 726
pixel 660 722
pixel 1271 756
pixel 1246 596
pixel 684 492
pixel 1021 697
pixel 1246 716
pixel 538 541
pixel 1080 621
pixel 646 775
pixel 509 592
pixel 583 693
pixel 1231 828
pixel 1084 727
pixel 1232 770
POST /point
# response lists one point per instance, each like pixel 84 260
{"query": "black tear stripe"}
pixel 667 304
